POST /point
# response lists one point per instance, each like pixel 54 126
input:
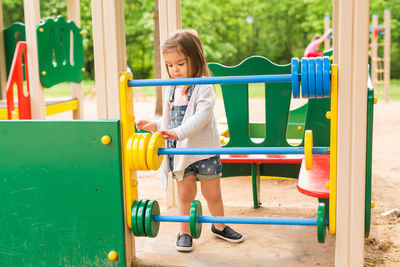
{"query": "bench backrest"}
pixel 277 106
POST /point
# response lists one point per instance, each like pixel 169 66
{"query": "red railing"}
pixel 16 76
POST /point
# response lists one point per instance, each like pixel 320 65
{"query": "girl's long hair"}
pixel 187 42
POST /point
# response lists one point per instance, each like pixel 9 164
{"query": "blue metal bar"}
pixel 237 220
pixel 279 78
pixel 240 150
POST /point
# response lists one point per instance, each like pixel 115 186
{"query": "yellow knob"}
pixel 81 32
pixel 375 100
pixel 83 69
pixel 106 140
pixel 372 204
pixel 43 73
pixel 331 58
pixel 112 255
pixel 299 128
pixel 41 29
pixel 328 115
pixel 134 182
pixel 328 185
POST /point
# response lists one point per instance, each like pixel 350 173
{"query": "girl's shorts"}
pixel 204 169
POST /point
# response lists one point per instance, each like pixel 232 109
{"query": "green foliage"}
pixel 280 29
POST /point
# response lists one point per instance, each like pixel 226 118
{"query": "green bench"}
pixel 280 123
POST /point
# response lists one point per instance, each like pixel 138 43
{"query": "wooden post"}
pixel 157 59
pixel 74 14
pixel 327 26
pixel 3 75
pixel 32 19
pixel 110 60
pixel 169 21
pixel 386 54
pixel 352 60
pixel 374 52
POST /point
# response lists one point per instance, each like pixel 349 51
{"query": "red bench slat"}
pixel 293 158
pixel 312 182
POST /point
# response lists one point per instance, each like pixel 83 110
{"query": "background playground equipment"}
pixel 60 54
pixel 380 60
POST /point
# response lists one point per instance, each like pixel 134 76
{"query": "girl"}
pixel 312 48
pixel 188 121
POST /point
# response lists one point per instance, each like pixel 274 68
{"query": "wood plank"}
pixel 32 19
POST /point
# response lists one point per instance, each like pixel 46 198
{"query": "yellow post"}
pixel 127 129
pixel 333 159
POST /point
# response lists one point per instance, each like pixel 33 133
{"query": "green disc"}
pixel 321 229
pixel 195 212
pixel 140 217
pixel 133 217
pixel 150 226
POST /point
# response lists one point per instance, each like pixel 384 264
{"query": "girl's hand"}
pixel 146 125
pixel 169 134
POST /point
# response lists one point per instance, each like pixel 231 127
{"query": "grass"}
pixel 256 90
pixel 394 91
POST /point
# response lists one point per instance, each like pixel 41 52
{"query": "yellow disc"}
pixel 328 185
pixel 143 144
pixel 128 152
pixel 106 140
pixel 299 128
pixel 308 144
pixel 328 115
pixel 153 159
pixel 372 204
pixel 135 152
pixel 112 255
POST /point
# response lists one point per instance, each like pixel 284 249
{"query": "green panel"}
pixel 280 170
pixel 12 35
pixel 368 171
pixel 297 117
pixel 266 169
pixel 317 122
pixel 328 52
pixel 54 51
pixel 61 194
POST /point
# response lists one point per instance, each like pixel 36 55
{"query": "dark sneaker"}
pixel 227 234
pixel 184 242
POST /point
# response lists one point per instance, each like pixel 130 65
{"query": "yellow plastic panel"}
pixel 333 163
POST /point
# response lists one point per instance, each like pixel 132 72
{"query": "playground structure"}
pixel 59 60
pixel 379 60
pixel 84 164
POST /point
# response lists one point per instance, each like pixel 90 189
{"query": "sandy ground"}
pixel 277 245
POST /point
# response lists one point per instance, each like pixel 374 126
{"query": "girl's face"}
pixel 177 64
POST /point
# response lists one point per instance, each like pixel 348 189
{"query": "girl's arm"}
pixel 204 108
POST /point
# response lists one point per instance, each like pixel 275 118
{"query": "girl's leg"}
pixel 187 190
pixel 211 190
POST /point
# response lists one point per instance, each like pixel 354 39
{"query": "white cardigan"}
pixel 198 129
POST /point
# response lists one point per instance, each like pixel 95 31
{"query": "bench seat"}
pixel 313 182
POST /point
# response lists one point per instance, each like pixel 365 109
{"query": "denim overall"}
pixel 208 168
